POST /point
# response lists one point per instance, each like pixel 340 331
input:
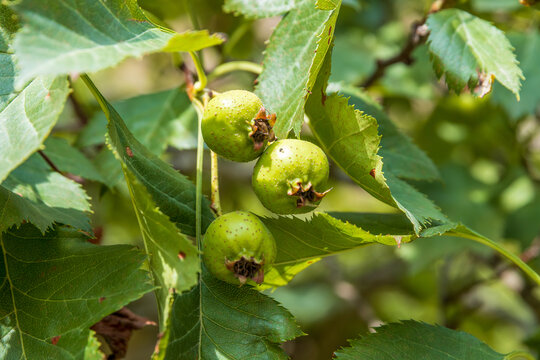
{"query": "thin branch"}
pixel 229 67
pixel 418 36
pixel 216 203
pixel 49 161
pixel 77 108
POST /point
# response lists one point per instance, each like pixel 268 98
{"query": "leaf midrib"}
pixel 4 253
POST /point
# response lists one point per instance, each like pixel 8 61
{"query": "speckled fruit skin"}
pixel 226 125
pixel 232 236
pixel 282 164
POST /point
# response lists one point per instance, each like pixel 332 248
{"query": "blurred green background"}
pixel 487 151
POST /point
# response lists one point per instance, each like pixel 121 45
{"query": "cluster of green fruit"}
pixel 287 179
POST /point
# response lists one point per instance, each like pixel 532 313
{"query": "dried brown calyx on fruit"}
pixel 245 269
pixel 306 194
pixel 261 129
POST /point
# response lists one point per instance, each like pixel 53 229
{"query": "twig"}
pixel 229 67
pixel 49 161
pixel 417 37
pixel 77 108
pixel 216 203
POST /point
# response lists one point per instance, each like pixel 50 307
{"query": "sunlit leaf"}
pixel 172 192
pixel 218 321
pixel 469 51
pixel 411 340
pixel 351 138
pixel 156 120
pixel 35 193
pixel 292 61
pixel 302 243
pixel 174 260
pixel 87 36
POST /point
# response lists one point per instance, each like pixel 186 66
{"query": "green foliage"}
pixel 156 120
pixel 173 193
pixel 216 320
pixel 70 160
pixel 292 61
pixel 174 260
pixel 55 284
pixel 48 276
pixel 104 34
pixel 527 47
pixel 35 193
pixel 28 118
pixel 340 128
pixel 469 51
pixel 415 340
pixel 302 243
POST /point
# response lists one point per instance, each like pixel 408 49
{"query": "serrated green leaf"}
pixel 87 36
pixel 8 27
pixel 35 193
pixel 292 61
pixel 411 340
pixel 27 118
pixel 156 120
pixel 172 192
pixel 401 157
pixel 261 8
pixel 216 320
pixel 468 51
pixel 528 52
pixel 351 139
pixel 174 260
pixel 45 277
pixel 92 351
pixel 302 243
pixel 69 159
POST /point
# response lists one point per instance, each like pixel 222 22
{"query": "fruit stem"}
pixel 199 107
pixel 512 257
pixel 231 66
pixel 216 204
pixel 201 84
pixel 519 355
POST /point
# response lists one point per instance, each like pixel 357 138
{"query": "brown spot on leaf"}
pixel 54 340
pixel 101 299
pixel 372 173
pixel 117 328
pixel 485 84
pixel 129 152
pixel 323 97
pixel 181 255
pixel 48 96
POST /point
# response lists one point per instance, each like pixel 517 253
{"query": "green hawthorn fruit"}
pixel 235 125
pixel 238 247
pixel 290 177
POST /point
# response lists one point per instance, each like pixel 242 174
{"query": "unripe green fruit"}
pixel 237 246
pixel 235 125
pixel 290 177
